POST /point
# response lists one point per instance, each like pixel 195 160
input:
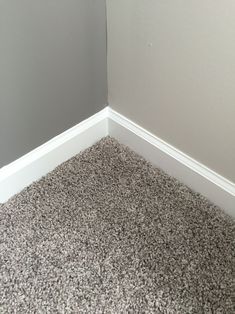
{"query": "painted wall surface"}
pixel 52 69
pixel 171 69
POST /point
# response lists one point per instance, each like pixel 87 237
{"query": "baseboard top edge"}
pixel 169 149
pixel 52 143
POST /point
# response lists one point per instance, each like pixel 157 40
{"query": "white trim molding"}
pixel 31 167
pixel 37 163
pixel 174 162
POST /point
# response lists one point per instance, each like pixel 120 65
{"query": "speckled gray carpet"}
pixel 106 232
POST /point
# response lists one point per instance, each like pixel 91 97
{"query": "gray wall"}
pixel 171 68
pixel 52 69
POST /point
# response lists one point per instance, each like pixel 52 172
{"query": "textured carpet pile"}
pixel 106 232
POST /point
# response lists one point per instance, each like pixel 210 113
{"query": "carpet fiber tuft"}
pixel 106 232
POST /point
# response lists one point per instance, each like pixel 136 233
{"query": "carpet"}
pixel 106 232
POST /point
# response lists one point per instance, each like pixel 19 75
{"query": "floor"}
pixel 106 232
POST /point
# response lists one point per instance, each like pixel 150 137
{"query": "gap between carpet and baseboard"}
pixel 37 163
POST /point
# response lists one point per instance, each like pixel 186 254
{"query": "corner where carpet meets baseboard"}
pixel 177 164
pixel 31 167
pixel 37 163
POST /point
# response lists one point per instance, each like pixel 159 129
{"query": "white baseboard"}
pixel 22 172
pixel 177 164
pixel 37 163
